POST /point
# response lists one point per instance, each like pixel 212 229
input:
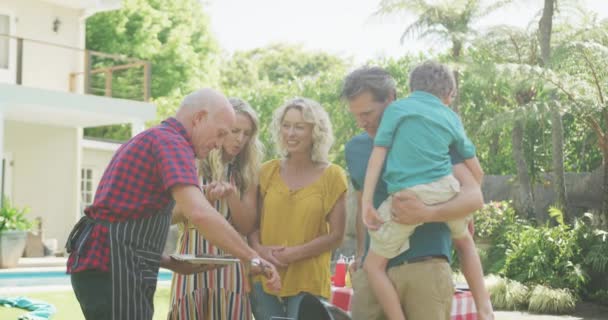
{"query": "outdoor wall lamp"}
pixel 56 24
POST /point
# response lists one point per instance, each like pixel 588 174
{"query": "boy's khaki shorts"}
pixel 394 238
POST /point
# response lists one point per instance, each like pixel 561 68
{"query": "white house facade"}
pixel 50 89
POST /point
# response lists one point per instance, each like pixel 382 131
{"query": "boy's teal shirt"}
pixel 429 239
pixel 419 132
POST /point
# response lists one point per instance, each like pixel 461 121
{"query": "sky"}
pixel 347 28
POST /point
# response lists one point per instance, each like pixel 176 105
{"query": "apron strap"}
pixel 79 234
pixel 78 237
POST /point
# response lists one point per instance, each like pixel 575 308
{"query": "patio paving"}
pixel 584 311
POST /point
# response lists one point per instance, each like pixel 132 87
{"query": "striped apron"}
pixel 219 294
pixel 136 247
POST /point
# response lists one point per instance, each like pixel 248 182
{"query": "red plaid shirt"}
pixel 136 184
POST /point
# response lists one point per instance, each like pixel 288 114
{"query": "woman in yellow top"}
pixel 302 216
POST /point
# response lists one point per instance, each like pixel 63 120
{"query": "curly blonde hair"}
pixel 313 113
pixel 246 164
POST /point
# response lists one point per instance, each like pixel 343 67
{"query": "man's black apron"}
pixel 136 247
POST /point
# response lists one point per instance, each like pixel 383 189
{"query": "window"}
pixel 86 188
pixel 2 170
pixel 6 166
pixel 4 41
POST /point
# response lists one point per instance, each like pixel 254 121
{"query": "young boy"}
pixel 415 137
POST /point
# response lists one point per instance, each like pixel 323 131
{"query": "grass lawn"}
pixel 69 309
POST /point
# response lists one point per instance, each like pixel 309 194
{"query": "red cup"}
pixel 339 278
pixel 340 297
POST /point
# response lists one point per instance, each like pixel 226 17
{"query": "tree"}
pixel 277 63
pixel 499 59
pixel 545 26
pixel 583 82
pixel 173 35
pixel 267 77
pixel 522 96
pixel 446 20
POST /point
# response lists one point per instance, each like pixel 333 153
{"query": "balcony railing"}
pixel 48 65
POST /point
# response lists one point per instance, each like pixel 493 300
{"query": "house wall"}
pixel 46 171
pixel 46 66
pixel 97 160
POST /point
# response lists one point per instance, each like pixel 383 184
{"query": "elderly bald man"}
pixel 116 248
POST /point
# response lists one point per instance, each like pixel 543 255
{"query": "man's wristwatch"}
pixel 256 262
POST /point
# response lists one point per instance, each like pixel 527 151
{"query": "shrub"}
pixel 600 296
pixel 491 220
pixel 594 251
pixel 497 223
pixel 13 218
pixel 554 255
pixel 548 256
pixel 458 277
pixel 596 258
pixel 507 294
pixel 554 301
pixel 594 244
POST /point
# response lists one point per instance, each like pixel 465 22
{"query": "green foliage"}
pixel 507 94
pixel 119 132
pixel 452 20
pixel 491 220
pixel 553 301
pixel 268 77
pixel 487 95
pixel 507 294
pixel 556 214
pixel 600 296
pixel 594 252
pixel 400 70
pixel 494 70
pixel 597 256
pixel 556 255
pixel 500 85
pixel 173 35
pixel 580 145
pixel 277 63
pixel 166 106
pixel 497 223
pixel 12 217
pixel 548 256
pixel 507 44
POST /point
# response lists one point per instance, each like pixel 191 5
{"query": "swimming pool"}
pixel 50 278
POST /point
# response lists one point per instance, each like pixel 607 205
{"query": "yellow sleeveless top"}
pixel 291 218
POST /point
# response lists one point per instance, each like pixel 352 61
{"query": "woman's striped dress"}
pixel 215 295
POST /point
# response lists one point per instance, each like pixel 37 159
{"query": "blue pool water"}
pixel 49 278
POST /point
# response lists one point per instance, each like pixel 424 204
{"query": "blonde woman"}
pixel 302 212
pixel 229 179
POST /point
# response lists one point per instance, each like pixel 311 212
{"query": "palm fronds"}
pixel 450 20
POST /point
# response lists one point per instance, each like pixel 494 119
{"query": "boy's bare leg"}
pixel 472 270
pixel 386 294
